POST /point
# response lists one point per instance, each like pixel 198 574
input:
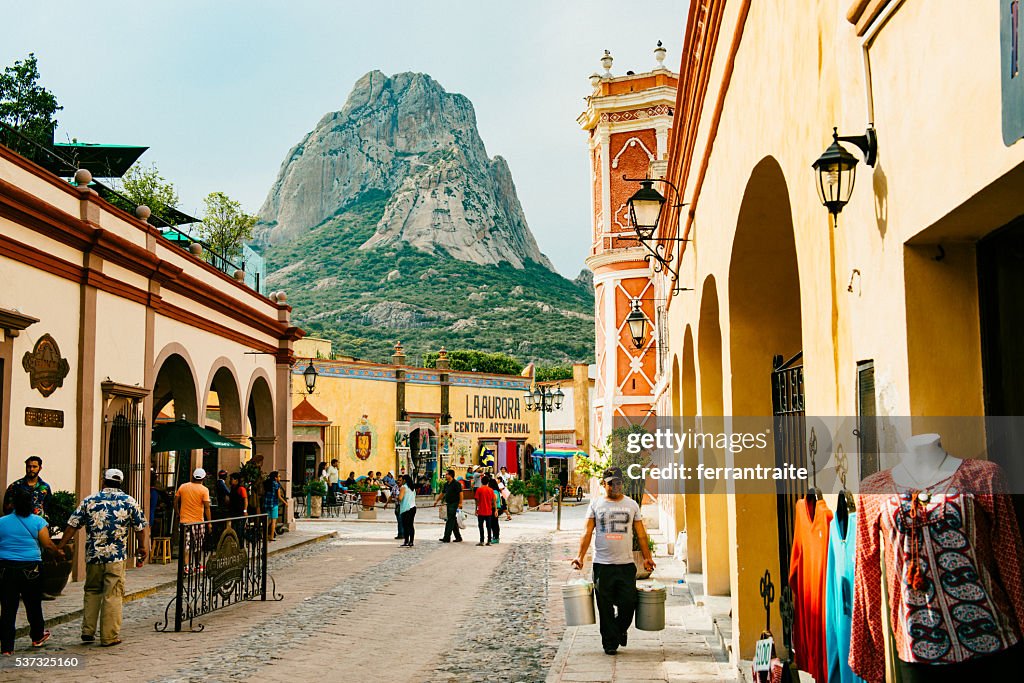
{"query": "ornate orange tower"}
pixel 628 119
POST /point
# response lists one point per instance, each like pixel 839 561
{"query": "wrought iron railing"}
pixel 220 563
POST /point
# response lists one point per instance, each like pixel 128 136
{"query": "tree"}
pixel 478 361
pixel 551 373
pixel 225 226
pixel 25 105
pixel 145 186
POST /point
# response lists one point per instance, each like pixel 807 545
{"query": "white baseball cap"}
pixel 113 474
pixel 199 473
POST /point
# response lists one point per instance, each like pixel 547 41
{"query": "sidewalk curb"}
pixel 555 672
pixel 150 590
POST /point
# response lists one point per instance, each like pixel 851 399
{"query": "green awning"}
pixel 182 435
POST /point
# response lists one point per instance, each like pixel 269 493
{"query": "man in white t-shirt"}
pixel 612 520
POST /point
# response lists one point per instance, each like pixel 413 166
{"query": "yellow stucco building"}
pixel 389 417
pixel 906 303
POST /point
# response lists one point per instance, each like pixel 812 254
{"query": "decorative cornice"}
pixel 111 389
pixel 13 322
pixel 608 258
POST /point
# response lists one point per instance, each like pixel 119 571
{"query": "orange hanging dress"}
pixel 807 575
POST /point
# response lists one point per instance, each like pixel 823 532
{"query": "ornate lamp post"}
pixel 544 400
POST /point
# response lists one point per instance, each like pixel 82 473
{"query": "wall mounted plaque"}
pixel 41 417
pixel 45 366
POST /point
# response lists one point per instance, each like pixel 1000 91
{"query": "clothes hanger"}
pixel 812 496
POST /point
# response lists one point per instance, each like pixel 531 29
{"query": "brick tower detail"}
pixel 628 119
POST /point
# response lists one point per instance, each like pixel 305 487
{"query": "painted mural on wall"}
pixel 45 367
pixel 362 439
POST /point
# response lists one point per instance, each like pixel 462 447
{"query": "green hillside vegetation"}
pixel 344 294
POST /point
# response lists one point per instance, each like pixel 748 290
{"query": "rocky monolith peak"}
pixel 406 136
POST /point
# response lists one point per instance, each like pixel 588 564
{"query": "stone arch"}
pixel 223 379
pixel 716 553
pixel 259 414
pixel 688 401
pixel 175 382
pixel 175 374
pixel 764 321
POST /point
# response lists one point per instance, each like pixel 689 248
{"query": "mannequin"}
pixel 946 535
pixel 924 464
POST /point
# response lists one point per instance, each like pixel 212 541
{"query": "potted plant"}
pixel 367 492
pixel 55 572
pixel 516 491
pixel 315 491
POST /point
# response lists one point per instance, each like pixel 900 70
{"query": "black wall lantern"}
pixel 837 168
pixel 645 213
pixel 310 374
pixel 637 322
pixel 645 209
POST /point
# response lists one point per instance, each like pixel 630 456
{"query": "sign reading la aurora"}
pixel 495 409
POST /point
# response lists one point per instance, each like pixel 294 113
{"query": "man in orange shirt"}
pixel 192 503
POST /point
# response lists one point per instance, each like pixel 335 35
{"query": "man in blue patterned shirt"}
pixel 33 485
pixel 106 516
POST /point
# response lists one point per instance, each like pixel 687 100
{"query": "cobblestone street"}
pixel 358 604
pixel 361 608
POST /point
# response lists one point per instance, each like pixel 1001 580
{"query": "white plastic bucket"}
pixel 578 600
pixel 650 609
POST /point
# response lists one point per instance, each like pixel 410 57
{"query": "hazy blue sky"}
pixel 220 91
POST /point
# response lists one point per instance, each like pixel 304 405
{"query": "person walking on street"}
pixel 36 487
pixel 492 483
pixel 452 495
pixel 612 520
pixel 395 492
pixel 22 534
pixel 106 516
pixel 504 493
pixel 192 505
pixel 271 503
pixel 407 502
pixel 484 497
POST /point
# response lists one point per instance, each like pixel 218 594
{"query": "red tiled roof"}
pixel 305 413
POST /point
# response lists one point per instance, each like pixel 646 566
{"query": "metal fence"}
pixel 220 563
pixel 790 444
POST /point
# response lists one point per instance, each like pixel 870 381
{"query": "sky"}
pixel 220 91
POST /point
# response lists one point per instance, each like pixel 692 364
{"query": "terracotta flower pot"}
pixel 316 506
pixel 369 498
pixel 532 500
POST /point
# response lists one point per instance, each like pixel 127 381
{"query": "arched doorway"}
pixel 688 402
pixel 715 552
pixel 764 327
pixel 223 413
pixel 259 413
pixel 175 395
pixel 423 452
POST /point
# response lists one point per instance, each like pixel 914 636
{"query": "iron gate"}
pixel 126 448
pixel 790 445
pixel 220 563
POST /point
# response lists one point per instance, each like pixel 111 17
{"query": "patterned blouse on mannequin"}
pixel 953 559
